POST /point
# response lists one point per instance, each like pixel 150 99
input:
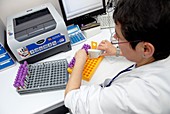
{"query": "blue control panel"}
pixel 75 34
pixel 41 46
pixel 5 59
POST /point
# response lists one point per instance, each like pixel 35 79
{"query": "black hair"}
pixel 145 20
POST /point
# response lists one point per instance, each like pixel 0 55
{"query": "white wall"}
pixel 2 28
pixel 9 7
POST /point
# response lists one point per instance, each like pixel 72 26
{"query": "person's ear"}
pixel 148 50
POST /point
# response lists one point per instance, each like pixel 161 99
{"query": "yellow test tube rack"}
pixel 90 65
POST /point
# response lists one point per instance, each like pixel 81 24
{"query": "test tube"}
pixel 72 62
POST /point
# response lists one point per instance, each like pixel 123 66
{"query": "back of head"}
pixel 146 20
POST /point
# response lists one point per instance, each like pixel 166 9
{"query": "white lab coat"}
pixel 143 90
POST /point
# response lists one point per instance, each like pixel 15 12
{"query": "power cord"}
pixel 109 4
pixel 110 8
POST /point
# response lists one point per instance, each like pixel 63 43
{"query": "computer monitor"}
pixel 81 11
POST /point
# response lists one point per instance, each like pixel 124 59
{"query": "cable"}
pixel 110 8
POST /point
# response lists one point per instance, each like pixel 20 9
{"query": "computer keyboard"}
pixel 106 20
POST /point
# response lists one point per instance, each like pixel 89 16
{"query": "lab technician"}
pixel 142 30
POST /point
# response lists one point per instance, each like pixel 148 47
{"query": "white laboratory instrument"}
pixel 37 33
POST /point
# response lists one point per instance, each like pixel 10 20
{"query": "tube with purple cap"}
pixel 72 62
pixel 20 80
